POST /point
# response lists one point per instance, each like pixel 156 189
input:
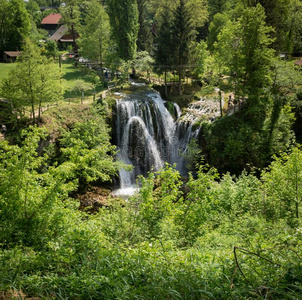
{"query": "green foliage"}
pixel 15 25
pixel 33 7
pixel 211 239
pixel 217 24
pixel 209 236
pixel 192 154
pixel 81 86
pixel 261 85
pixel 244 54
pixel 71 14
pixel 182 32
pixel 159 204
pixel 123 16
pixel 283 185
pixel 143 61
pixel 163 57
pixel 284 16
pixel 31 200
pixel 202 55
pixel 197 8
pixel 87 149
pixel 94 34
pixel 51 49
pixel 34 80
pixel 144 36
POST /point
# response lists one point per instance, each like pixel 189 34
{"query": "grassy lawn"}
pixel 71 74
pixel 5 69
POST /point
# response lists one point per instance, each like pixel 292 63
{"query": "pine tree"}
pixel 183 35
pixel 164 46
pixel 144 38
pixel 123 16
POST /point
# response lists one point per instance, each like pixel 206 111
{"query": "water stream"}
pixel 147 135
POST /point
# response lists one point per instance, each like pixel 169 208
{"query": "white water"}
pixel 147 135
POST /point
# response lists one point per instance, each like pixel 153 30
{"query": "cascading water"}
pixel 148 136
pixel 143 129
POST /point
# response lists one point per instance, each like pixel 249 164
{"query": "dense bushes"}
pixel 213 237
pixel 247 139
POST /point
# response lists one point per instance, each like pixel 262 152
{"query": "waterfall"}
pixel 143 129
pixel 148 136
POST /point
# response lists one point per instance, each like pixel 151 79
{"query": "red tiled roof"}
pixel 12 53
pixel 52 19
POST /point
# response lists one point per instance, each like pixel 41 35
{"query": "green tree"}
pixel 294 33
pixel 14 25
pixel 183 35
pixel 123 16
pixel 51 49
pixel 216 7
pixel 198 9
pixel 33 8
pixel 283 186
pixel 143 61
pixel 218 23
pixel 164 48
pixel 244 54
pixel 286 79
pixel 159 200
pixel 81 86
pixel 95 33
pixel 87 148
pixel 34 81
pixel 31 208
pixel 279 15
pixel 202 58
pixel 144 37
pixel 71 15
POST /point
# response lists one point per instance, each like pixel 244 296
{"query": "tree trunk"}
pixel 32 103
pixel 75 50
pixel 39 113
pixel 220 102
pixel 33 113
pixel 101 61
pixel 166 87
pixel 179 81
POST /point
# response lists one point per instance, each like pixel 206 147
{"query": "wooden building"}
pixel 51 23
pixel 63 37
pixel 11 56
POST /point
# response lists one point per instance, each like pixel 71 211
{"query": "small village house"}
pixel 63 37
pixel 51 23
pixel 10 56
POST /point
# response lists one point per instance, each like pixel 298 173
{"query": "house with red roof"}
pixel 57 31
pixel 51 23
